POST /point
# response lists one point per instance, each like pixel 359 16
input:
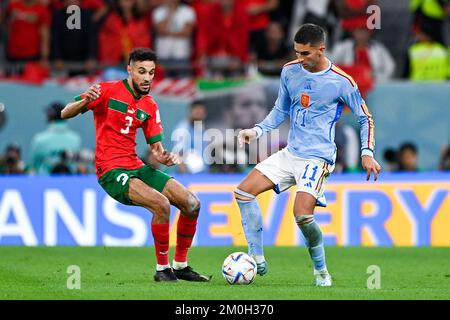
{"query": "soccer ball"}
pixel 239 268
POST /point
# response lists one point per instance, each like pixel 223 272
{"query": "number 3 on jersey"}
pixel 128 125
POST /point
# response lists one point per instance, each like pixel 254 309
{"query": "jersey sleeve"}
pixel 352 97
pixel 152 126
pixel 280 111
pixel 104 88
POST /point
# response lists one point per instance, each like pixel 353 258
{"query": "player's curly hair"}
pixel 310 33
pixel 142 54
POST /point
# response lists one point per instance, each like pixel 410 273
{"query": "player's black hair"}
pixel 310 33
pixel 142 54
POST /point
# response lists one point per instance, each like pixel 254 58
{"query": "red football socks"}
pixel 185 233
pixel 161 238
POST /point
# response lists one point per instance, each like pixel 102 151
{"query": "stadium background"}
pixel 402 209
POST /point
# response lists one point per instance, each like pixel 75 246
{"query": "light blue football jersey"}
pixel 314 103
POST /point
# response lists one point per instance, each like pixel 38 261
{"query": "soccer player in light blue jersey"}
pixel 312 94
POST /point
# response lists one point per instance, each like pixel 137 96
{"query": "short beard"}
pixel 311 67
pixel 138 90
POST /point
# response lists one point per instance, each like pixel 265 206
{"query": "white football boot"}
pixel 323 278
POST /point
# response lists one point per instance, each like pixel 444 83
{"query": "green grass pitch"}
pixel 127 273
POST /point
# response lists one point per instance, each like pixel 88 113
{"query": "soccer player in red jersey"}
pixel 120 108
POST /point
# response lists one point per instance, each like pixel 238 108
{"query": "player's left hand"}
pixel 370 164
pixel 166 158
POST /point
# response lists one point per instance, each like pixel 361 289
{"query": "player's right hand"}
pixel 246 136
pixel 92 93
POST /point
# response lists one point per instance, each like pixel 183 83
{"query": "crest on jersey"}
pixel 304 100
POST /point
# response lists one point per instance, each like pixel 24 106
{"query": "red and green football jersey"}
pixel 118 113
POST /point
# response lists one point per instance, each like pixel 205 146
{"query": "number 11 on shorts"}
pixel 313 176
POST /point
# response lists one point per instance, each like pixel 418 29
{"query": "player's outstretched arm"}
pixel 163 156
pixel 72 109
pixel 371 165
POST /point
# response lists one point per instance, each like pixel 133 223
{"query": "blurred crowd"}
pixel 217 38
pixel 58 149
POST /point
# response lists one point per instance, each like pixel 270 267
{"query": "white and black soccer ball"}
pixel 239 268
